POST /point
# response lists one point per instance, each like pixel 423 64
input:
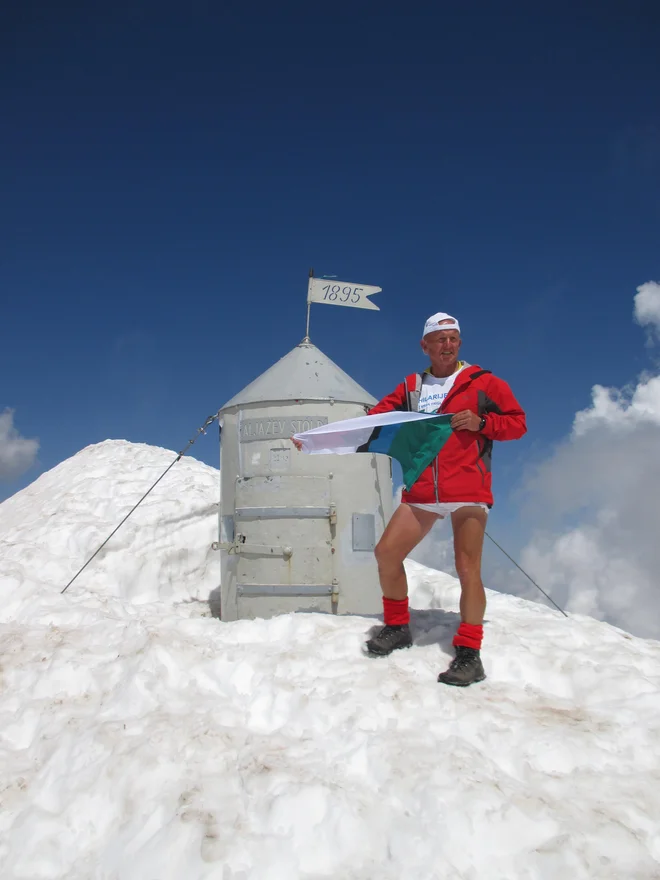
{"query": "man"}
pixel 458 483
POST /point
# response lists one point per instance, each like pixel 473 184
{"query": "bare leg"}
pixel 469 525
pixel 402 534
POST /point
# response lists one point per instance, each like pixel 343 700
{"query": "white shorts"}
pixel 442 508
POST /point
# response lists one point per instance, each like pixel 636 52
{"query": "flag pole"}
pixel 311 275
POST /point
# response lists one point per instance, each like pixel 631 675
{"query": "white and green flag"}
pixel 414 439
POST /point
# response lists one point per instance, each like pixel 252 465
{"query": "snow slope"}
pixel 143 739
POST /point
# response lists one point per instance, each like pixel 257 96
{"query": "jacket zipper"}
pixel 436 480
pixel 466 381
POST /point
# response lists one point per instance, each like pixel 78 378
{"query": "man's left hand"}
pixel 466 420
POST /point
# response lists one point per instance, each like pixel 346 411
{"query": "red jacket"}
pixel 461 471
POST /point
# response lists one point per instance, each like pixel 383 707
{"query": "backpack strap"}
pixel 413 391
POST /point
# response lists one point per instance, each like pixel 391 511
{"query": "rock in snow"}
pixel 143 739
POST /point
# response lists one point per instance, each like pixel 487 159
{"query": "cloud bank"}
pixel 647 306
pixel 17 454
pixel 602 485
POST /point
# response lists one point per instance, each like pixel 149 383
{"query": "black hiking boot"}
pixel 389 639
pixel 466 668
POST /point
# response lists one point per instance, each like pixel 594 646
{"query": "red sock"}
pixel 469 635
pixel 395 611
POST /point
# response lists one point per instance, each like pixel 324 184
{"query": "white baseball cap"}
pixel 433 323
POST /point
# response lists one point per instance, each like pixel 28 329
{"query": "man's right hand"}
pixel 297 444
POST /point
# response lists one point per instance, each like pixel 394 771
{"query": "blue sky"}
pixel 170 172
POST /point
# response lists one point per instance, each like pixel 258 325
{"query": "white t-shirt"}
pixel 434 390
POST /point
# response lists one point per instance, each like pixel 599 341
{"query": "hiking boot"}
pixel 466 668
pixel 389 639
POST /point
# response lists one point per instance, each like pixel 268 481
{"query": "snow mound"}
pixel 142 738
pixel 162 553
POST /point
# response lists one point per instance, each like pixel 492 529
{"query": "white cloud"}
pixel 17 453
pixel 647 305
pixel 621 410
pixel 602 485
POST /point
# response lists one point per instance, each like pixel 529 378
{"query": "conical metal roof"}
pixel 305 373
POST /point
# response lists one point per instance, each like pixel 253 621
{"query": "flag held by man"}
pixel 413 439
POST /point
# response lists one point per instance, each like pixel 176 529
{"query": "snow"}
pixel 143 739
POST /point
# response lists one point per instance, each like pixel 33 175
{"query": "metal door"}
pixel 284 534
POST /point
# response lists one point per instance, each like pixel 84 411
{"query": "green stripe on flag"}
pixel 416 444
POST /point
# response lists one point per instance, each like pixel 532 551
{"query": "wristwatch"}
pixel 482 424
